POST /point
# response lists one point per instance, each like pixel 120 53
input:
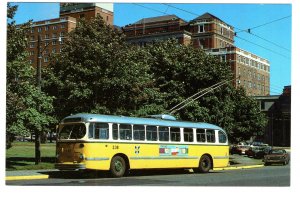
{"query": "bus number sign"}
pixel 115 147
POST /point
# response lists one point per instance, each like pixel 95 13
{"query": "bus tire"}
pixel 117 167
pixel 205 164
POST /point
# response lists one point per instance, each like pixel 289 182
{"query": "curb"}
pixel 238 167
pixel 14 178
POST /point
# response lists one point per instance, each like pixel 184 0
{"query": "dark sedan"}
pixel 277 156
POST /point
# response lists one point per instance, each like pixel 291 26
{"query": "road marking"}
pixel 13 178
pixel 238 167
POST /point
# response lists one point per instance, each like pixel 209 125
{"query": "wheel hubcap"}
pixel 118 166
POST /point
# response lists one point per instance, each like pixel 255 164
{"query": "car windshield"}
pixel 277 152
pixel 72 131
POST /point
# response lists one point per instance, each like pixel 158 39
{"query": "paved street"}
pixel 266 176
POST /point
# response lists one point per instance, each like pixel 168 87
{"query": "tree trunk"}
pixel 37 148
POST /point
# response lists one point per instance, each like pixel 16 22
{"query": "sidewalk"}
pixel 242 162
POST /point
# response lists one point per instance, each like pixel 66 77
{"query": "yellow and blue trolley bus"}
pixel 118 144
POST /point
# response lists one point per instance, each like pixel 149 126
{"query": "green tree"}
pixel 98 72
pixel 181 71
pixel 23 98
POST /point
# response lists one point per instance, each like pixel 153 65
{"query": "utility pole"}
pixel 38 84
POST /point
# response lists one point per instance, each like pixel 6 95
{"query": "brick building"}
pixel 50 34
pixel 148 30
pixel 215 37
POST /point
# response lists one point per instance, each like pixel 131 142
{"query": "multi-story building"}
pixel 49 35
pixel 88 11
pixel 210 32
pixel 149 30
pixel 215 37
pixel 249 70
pixel 52 34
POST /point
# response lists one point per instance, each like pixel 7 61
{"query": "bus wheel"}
pixel 117 166
pixel 205 164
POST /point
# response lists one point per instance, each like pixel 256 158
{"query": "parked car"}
pixel 277 156
pixel 262 152
pixel 241 149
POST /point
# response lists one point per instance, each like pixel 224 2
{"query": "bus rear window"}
pixel 72 131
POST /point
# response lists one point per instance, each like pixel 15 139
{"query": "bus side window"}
pixel 151 133
pixel 200 133
pixel 91 130
pixel 138 132
pixel 210 135
pixel 115 132
pixel 163 133
pixel 175 134
pixel 188 135
pixel 125 132
pixel 101 131
pixel 222 137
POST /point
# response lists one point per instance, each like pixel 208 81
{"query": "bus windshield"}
pixel 72 131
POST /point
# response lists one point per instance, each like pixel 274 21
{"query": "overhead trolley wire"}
pixel 264 24
pixel 262 47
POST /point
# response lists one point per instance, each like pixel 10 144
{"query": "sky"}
pixel 270 26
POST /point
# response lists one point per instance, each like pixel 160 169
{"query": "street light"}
pixel 38 84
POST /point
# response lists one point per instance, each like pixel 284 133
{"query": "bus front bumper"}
pixel 62 166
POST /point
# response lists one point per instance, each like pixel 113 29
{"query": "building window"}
pixel 54 42
pixel 62 41
pixel 32 30
pixel 201 28
pixel 54 27
pixel 31 38
pixel 46 59
pixel 63 26
pixel 62 34
pixel 46 43
pixel 31 45
pixel 31 52
pixel 39 29
pixel 54 35
pixel 54 50
pixel 46 36
pixel 46 52
pixel 47 28
pixel 223 58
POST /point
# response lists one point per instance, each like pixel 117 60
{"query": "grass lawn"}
pixel 21 156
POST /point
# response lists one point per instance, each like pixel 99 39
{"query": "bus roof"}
pixel 138 121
